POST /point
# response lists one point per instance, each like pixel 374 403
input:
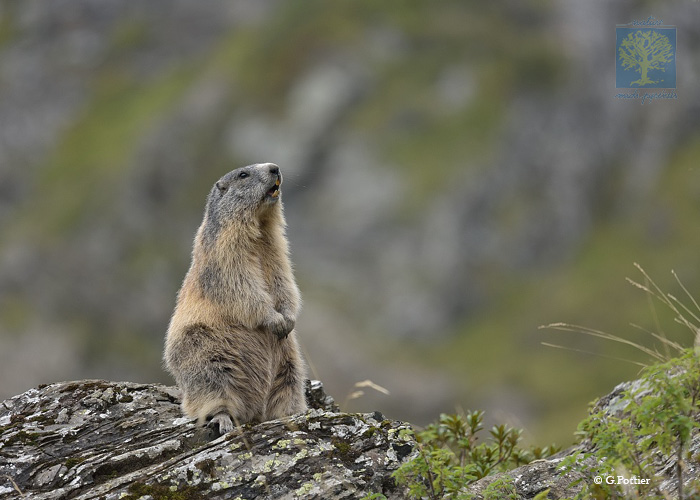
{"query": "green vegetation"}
pixel 450 456
pixel 657 419
pixel 6 28
pixel 96 149
pixel 163 492
pixel 501 488
pixel 73 461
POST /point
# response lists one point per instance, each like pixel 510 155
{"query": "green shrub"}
pixel 655 422
pixel 450 457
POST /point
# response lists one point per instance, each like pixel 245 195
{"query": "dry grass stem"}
pixel 687 316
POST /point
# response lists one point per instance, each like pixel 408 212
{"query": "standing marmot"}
pixel 231 344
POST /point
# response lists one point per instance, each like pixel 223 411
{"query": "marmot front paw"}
pixel 280 326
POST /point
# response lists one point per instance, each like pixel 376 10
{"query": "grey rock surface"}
pixel 111 440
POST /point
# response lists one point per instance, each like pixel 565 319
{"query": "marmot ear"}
pixel 221 186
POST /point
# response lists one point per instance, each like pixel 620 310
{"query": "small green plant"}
pixel 450 457
pixel 374 496
pixel 502 488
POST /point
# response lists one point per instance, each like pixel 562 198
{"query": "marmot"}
pixel 231 344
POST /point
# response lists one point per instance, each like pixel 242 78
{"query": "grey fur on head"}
pixel 240 195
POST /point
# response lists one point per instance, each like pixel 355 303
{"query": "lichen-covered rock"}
pixel 535 477
pixel 115 440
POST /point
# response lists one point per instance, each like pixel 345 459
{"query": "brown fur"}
pixel 231 345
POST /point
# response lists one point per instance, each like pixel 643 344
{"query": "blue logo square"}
pixel 645 58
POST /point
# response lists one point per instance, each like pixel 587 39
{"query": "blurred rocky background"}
pixel 456 175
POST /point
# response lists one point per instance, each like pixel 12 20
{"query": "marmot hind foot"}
pixel 221 423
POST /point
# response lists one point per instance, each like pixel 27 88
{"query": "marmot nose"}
pixel 274 169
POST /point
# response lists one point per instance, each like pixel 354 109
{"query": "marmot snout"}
pixel 231 344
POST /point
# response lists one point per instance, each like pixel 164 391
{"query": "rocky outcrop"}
pixel 115 440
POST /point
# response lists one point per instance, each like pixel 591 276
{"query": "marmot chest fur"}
pixel 231 344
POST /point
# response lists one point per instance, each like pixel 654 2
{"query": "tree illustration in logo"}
pixel 644 51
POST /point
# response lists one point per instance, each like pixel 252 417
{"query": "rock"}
pixel 535 477
pixel 110 440
pixel 121 440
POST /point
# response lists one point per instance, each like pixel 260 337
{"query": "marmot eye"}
pixel 243 175
pixel 221 187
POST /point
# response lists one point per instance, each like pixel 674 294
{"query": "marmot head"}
pixel 244 194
